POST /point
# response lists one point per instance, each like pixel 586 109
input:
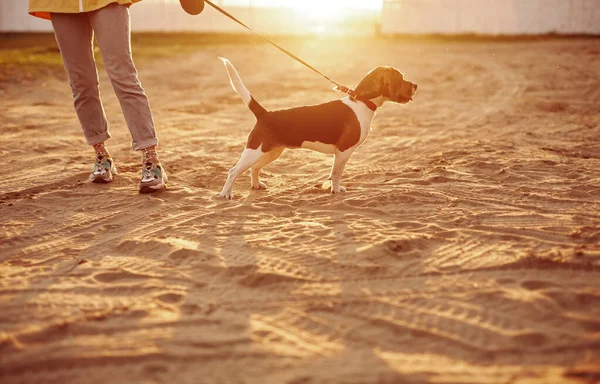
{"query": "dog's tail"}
pixel 240 89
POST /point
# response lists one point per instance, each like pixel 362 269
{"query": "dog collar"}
pixel 371 105
pixel 353 96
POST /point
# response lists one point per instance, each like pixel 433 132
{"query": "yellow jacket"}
pixel 42 8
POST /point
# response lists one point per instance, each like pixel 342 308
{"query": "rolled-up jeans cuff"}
pixel 138 146
pixel 93 140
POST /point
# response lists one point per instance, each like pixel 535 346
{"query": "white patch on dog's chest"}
pixel 364 116
pixel 319 147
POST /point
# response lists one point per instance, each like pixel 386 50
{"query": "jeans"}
pixel 112 26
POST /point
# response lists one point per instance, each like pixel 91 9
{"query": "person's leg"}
pixel 74 36
pixel 112 27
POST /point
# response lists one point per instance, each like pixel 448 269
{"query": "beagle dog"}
pixel 336 128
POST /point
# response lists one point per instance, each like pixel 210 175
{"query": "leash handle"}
pixel 338 86
pixel 193 7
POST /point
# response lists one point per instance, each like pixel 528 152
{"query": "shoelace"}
pixel 147 171
pixel 99 166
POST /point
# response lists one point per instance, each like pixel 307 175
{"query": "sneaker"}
pixel 103 170
pixel 154 178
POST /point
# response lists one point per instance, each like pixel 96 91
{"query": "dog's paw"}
pixel 339 189
pixel 226 195
pixel 260 186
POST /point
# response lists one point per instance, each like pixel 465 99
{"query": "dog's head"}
pixel 388 83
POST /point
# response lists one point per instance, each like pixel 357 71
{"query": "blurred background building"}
pixel 491 17
pixel 389 17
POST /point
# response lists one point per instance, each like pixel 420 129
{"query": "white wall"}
pixel 149 15
pixel 161 15
pixel 491 16
pixel 14 18
pixel 398 16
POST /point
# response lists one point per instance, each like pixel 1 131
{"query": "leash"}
pixel 338 86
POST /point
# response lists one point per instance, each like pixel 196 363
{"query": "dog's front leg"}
pixel 339 162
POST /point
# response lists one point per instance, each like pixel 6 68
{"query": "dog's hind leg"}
pixel 247 160
pixel 266 159
pixel 339 162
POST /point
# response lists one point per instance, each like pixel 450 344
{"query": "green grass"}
pixel 28 57
pixel 157 45
pixel 41 48
pixel 31 56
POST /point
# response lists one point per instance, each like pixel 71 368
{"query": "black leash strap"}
pixel 338 86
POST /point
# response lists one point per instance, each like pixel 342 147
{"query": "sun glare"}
pixel 314 4
pixel 323 16
pixel 315 9
pixel 324 9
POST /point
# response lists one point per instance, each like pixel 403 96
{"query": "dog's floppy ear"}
pixel 371 86
pixel 396 81
pixel 382 81
pixel 394 87
pixel 389 82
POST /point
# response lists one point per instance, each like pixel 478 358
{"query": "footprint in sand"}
pixel 109 277
pixel 171 298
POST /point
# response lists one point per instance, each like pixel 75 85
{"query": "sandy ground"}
pixel 466 249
